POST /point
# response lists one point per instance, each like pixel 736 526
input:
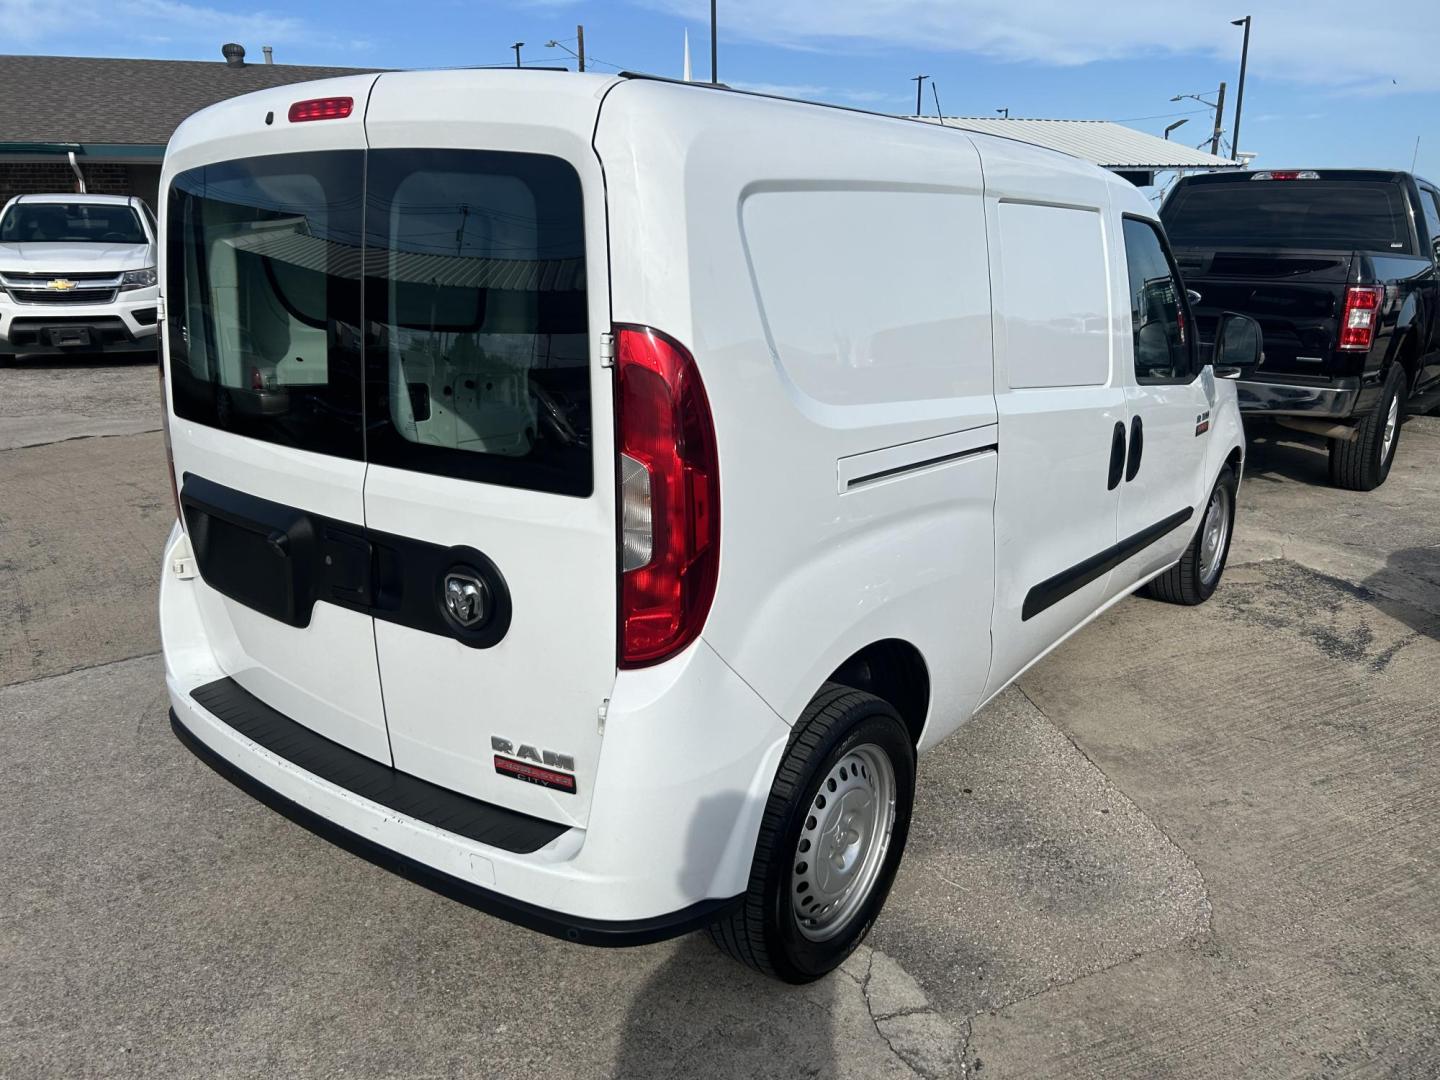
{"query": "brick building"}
pixel 113 116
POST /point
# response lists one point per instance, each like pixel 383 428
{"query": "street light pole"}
pixel 1178 123
pixel 1240 90
pixel 714 50
pixel 516 47
pixel 919 81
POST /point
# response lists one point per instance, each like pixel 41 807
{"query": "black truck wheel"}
pixel 1363 463
pixel 830 841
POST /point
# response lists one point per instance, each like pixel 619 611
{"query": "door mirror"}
pixel 1239 345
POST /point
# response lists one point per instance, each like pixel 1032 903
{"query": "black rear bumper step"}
pixel 484 822
pixel 598 932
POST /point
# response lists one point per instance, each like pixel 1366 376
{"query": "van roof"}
pixel 589 86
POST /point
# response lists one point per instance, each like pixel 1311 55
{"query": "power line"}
pixel 1160 116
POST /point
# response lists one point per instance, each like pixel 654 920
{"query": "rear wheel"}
pixel 1363 463
pixel 1193 579
pixel 830 842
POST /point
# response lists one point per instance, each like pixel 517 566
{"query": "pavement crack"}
pixel 1209 932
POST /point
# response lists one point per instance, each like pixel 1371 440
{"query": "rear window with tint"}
pixel 479 365
pixel 263 299
pixel 1342 214
pixel 464 269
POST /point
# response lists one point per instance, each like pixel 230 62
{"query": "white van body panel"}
pixel 870 338
pixel 913 390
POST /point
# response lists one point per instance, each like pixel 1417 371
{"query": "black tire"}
pixel 1362 464
pixel 764 931
pixel 1186 582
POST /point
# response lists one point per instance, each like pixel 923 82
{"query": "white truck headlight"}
pixel 138 279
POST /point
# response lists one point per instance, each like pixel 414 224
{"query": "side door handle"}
pixel 1117 456
pixel 1137 448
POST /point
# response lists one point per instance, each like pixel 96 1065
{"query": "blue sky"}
pixel 1329 85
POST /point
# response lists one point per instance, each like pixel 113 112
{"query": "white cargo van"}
pixel 595 491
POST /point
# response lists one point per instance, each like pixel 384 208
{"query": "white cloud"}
pixel 1321 43
pixel 814 92
pixel 187 27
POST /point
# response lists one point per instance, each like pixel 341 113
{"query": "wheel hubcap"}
pixel 1392 425
pixel 843 843
pixel 1213 535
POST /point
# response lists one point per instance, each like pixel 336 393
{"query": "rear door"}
pixel 262 293
pixel 490 438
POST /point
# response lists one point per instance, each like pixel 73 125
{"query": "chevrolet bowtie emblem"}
pixel 60 284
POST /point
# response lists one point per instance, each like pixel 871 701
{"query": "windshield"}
pixel 71 223
pixel 1347 215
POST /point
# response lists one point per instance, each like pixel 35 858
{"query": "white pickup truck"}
pixel 77 274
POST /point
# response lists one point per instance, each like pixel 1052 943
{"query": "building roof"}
pixel 91 100
pixel 1100 142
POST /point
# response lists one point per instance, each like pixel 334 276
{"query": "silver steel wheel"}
pixel 1214 534
pixel 843 843
pixel 1392 425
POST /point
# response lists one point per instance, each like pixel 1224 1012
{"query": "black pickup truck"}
pixel 1339 266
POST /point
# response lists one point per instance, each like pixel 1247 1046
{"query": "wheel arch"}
pixel 894 670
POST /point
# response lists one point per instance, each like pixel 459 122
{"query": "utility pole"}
pixel 714 50
pixel 516 47
pixel 1240 91
pixel 580 37
pixel 919 81
pixel 1219 115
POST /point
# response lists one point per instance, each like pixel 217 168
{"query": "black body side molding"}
pixel 599 932
pixel 1052 590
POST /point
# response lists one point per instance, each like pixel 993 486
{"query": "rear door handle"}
pixel 1117 455
pixel 1137 448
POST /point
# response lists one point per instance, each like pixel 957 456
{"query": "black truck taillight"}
pixel 1358 319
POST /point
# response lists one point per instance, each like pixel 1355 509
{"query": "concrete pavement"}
pixel 1191 843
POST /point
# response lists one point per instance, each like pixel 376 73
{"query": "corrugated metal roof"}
pixel 1101 142
pixel 419 268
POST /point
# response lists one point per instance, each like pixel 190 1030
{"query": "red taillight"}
pixel 1357 321
pixel 325 108
pixel 669 494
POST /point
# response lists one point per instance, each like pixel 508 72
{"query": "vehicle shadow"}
pixel 1274 453
pixel 702 1014
pixel 1414 574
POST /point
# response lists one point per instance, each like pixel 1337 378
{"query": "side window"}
pixel 1430 200
pixel 1163 347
